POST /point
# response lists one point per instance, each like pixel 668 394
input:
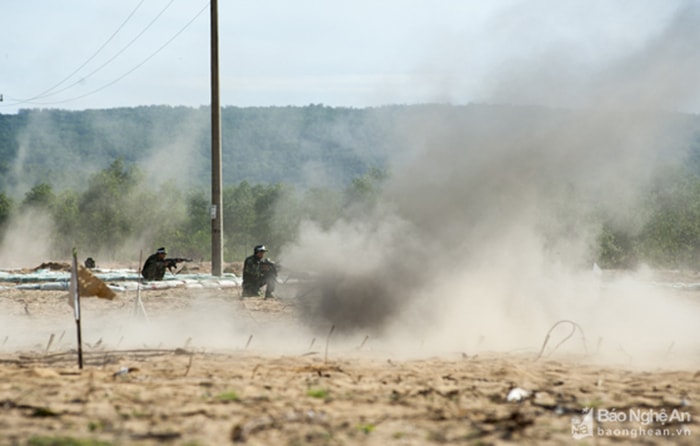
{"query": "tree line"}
pixel 119 209
pixel 269 153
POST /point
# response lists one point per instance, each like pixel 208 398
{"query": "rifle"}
pixel 268 267
pixel 172 263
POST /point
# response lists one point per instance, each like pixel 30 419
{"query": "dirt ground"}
pixel 181 393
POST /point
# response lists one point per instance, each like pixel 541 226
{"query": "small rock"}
pixel 517 394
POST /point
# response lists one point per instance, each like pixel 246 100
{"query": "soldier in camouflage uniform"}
pixel 154 268
pixel 259 272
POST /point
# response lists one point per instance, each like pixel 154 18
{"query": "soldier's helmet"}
pixel 259 248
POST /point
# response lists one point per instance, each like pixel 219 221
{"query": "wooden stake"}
pixel 74 300
pixel 48 346
pixel 138 303
pixel 250 338
pixel 189 365
pixel 328 340
pixel 363 342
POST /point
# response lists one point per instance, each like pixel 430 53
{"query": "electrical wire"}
pixel 32 101
pixel 89 59
pixel 137 66
pixel 127 46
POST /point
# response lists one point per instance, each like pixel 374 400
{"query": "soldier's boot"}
pixel 250 292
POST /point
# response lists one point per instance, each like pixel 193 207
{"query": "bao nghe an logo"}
pixel 582 427
pixel 631 423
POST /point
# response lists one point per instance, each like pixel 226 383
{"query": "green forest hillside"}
pixel 294 145
pixel 304 146
pixel 623 185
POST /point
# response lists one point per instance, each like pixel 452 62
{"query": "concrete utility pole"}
pixel 216 210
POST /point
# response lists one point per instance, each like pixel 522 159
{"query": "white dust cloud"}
pixel 209 321
pixel 173 165
pixel 30 168
pixel 174 160
pixel 26 240
pixel 484 239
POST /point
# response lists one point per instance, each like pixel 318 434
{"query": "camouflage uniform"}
pixel 154 268
pixel 156 264
pixel 258 273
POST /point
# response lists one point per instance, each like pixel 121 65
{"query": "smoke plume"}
pixel 482 237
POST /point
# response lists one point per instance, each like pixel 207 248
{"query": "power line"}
pixel 131 42
pixel 32 101
pixel 45 92
pixel 137 66
pixel 83 78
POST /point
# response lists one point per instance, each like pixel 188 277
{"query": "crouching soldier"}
pixel 156 264
pixel 259 272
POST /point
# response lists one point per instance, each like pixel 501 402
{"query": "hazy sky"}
pixel 80 54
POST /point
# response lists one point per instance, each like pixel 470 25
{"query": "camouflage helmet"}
pixel 259 248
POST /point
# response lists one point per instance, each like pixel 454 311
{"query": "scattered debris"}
pixel 124 370
pixel 518 394
pixel 574 327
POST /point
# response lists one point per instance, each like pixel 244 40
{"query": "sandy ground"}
pixel 159 378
